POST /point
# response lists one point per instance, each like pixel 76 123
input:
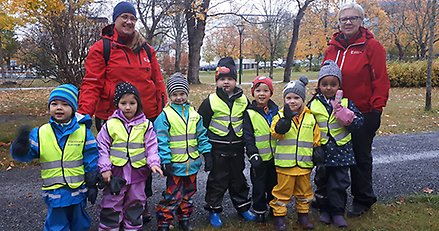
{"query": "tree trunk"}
pixel 294 39
pixel 196 23
pixel 430 56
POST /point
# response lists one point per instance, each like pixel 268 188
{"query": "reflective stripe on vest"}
pixel 61 166
pixel 297 146
pixel 263 140
pixel 222 116
pixel 336 130
pixel 183 141
pixel 127 146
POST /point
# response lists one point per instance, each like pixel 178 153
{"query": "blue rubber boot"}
pixel 248 216
pixel 215 220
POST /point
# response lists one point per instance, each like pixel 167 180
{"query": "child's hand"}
pixel 107 176
pixel 157 169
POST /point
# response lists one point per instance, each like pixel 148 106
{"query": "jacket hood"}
pixel 339 40
pixel 71 126
pixel 138 119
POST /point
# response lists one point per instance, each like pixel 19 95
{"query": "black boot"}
pixel 279 223
pixel 185 225
pixel 260 218
pixel 304 222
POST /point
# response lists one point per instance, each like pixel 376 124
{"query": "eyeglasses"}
pixel 126 17
pixel 344 20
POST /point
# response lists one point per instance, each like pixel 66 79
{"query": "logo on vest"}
pixel 74 143
pixel 356 52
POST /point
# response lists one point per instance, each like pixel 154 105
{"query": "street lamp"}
pixel 240 30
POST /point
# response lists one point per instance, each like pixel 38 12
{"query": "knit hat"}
pixel 262 79
pixel 226 68
pixel 177 82
pixel 123 88
pixel 329 68
pixel 297 87
pixel 67 93
pixel 123 7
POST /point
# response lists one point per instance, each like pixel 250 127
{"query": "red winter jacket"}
pixel 99 83
pixel 363 67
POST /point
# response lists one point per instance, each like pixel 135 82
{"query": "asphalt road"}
pixel 403 164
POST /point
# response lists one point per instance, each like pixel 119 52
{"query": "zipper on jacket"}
pixel 347 49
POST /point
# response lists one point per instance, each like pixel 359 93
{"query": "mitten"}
pixel 101 182
pixel 208 162
pixel 21 144
pixel 167 169
pixel 91 180
pixel 336 103
pixel 283 125
pixel 92 194
pixel 318 156
pixel 116 184
pixel 255 160
pixel 344 116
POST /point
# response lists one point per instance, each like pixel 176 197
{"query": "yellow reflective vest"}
pixel 127 146
pixel 263 140
pixel 183 135
pixel 61 166
pixel 297 146
pixel 330 126
pixel 223 116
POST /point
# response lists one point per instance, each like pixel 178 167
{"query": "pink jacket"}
pixel 130 174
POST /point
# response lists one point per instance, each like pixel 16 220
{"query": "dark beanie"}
pixel 177 82
pixel 123 7
pixel 123 88
pixel 226 68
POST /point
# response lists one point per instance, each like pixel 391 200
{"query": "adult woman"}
pixel 128 61
pixel 122 55
pixel 362 61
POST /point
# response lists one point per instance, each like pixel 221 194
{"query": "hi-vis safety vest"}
pixel 183 140
pixel 61 166
pixel 127 146
pixel 297 146
pixel 336 130
pixel 263 140
pixel 222 116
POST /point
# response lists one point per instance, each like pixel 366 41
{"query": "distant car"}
pixel 210 67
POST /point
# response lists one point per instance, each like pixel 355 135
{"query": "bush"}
pixel 412 74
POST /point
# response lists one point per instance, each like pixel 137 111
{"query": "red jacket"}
pixel 363 67
pixel 99 83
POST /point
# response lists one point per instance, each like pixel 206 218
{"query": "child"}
pixel 68 155
pixel 260 145
pixel 298 133
pixel 182 138
pixel 222 114
pixel 336 119
pixel 127 143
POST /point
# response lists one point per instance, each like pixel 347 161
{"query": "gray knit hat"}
pixel 330 68
pixel 177 82
pixel 297 87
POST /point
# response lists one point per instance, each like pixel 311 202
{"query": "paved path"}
pixel 403 164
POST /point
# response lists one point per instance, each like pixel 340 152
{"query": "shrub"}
pixel 412 74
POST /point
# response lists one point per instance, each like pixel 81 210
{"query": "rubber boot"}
pixel 279 223
pixel 325 218
pixel 339 221
pixel 185 225
pixel 215 220
pixel 304 222
pixel 248 216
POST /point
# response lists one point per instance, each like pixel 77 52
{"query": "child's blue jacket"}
pixel 65 196
pixel 161 127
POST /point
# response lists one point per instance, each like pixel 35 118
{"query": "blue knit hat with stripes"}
pixel 67 93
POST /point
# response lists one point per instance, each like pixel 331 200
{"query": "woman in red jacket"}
pixel 362 61
pixel 128 61
pixel 122 55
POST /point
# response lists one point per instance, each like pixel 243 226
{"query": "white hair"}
pixel 352 5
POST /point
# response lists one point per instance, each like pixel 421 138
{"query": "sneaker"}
pixel 358 210
pixel 185 225
pixel 279 223
pixel 325 218
pixel 215 220
pixel 339 221
pixel 304 222
pixel 248 216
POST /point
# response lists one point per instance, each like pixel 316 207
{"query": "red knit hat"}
pixel 262 79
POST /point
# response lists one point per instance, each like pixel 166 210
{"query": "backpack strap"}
pixel 107 50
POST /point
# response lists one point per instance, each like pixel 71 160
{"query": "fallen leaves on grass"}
pixel 6 145
pixel 427 190
pixel 401 201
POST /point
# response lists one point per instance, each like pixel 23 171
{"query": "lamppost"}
pixel 240 30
